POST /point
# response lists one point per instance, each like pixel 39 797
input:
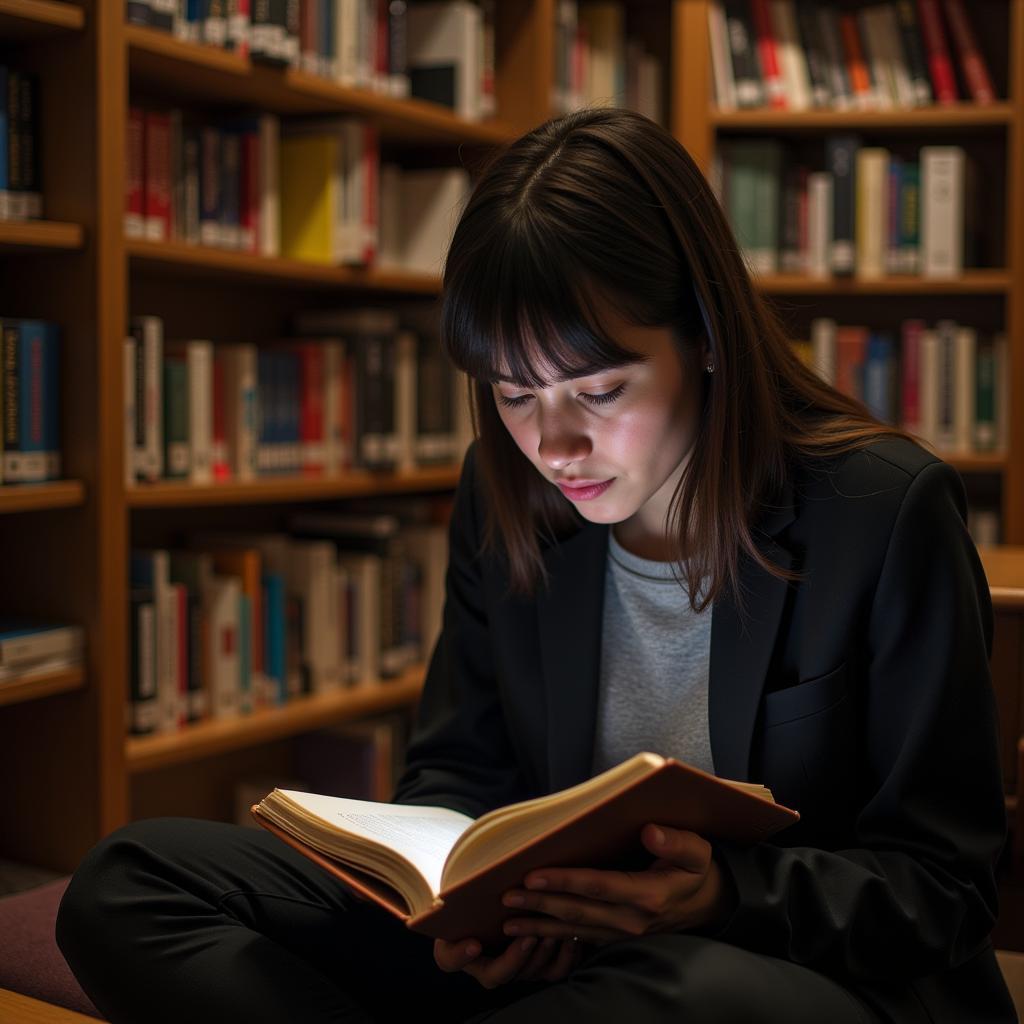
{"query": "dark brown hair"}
pixel 606 202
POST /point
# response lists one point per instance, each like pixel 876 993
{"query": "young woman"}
pixel 672 536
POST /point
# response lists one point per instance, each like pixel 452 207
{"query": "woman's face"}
pixel 632 426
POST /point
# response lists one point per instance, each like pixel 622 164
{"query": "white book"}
pixel 221 598
pixel 721 57
pixel 964 383
pixel 650 75
pixel 165 622
pixel 942 210
pixel 819 224
pixel 150 456
pixel 145 710
pixel 446 35
pixel 895 56
pixel 823 348
pixel 427 545
pixel 872 175
pixel 405 401
pixel 882 86
pixel 346 42
pixel 354 192
pixel 269 165
pixel 365 571
pixel 199 364
pixel 311 578
pixel 792 61
pixel 432 202
pixel 928 395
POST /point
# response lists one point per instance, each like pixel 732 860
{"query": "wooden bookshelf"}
pixel 269 490
pixel 206 739
pixel 971 282
pixel 191 71
pixel 31 19
pixel 40 234
pixel 37 497
pixel 14 691
pixel 959 117
pixel 182 260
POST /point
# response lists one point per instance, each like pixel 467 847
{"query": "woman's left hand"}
pixel 683 888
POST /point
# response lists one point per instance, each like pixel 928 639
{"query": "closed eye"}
pixel 606 398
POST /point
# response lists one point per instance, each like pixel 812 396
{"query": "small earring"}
pixel 710 368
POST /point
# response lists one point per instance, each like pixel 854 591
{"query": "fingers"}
pixel 540 960
pixel 489 971
pixel 569 955
pixel 684 849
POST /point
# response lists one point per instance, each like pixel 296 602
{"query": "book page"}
pixel 422 835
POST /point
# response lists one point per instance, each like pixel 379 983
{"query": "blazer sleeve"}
pixel 460 755
pixel 917 894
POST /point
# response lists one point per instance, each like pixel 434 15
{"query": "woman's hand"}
pixel 526 959
pixel 683 888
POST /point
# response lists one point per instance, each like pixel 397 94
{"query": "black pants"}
pixel 175 919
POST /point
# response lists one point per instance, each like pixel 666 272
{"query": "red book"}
pixel 940 66
pixel 851 352
pixel 383 61
pixel 770 70
pixel 221 461
pixel 856 65
pixel 972 64
pixel 157 202
pixel 312 433
pixel 135 180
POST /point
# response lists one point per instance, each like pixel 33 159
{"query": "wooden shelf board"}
pixel 40 234
pixel 1004 570
pixel 25 1010
pixel 959 115
pixel 28 19
pixel 211 75
pixel 13 691
pixel 978 463
pixel 205 739
pixel 174 494
pixel 971 282
pixel 179 258
pixel 30 497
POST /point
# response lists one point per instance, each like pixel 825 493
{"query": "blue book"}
pixel 32 347
pixel 51 402
pixel 274 635
pixel 878 376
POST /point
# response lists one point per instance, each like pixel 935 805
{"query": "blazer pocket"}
pixel 805 699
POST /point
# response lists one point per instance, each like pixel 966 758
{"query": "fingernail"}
pixel 659 837
pixel 514 900
pixel 528 943
pixel 536 883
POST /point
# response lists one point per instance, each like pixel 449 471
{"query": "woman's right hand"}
pixel 526 959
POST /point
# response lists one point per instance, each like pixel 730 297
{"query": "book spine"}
pixel 840 159
pixel 975 71
pixel 157 195
pixel 985 398
pixel 768 52
pixel 939 63
pixel 910 381
pixel 910 33
pixel 942 211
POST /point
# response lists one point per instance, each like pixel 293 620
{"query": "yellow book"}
pixel 311 200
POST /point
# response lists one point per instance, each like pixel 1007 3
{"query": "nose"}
pixel 562 442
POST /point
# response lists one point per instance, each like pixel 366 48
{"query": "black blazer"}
pixel 861 696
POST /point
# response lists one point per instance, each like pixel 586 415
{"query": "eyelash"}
pixel 606 398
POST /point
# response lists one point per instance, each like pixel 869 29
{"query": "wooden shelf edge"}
pixel 17 1007
pixel 155 55
pixel 971 282
pixel 959 115
pixel 182 256
pixel 38 17
pixel 32 497
pixel 205 739
pixel 40 234
pixel 16 691
pixel 283 489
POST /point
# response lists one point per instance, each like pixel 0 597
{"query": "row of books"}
pixel 870 213
pixel 803 54
pixel 985 525
pixel 947 383
pixel 311 189
pixel 440 51
pixel 30 648
pixel 235 623
pixel 354 389
pixel 30 450
pixel 20 188
pixel 598 62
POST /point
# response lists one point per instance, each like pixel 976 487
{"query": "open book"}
pixel 444 874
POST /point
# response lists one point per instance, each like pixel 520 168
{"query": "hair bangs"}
pixel 527 315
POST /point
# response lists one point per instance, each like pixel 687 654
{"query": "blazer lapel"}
pixel 741 648
pixel 569 613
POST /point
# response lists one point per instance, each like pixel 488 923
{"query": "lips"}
pixel 584 492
